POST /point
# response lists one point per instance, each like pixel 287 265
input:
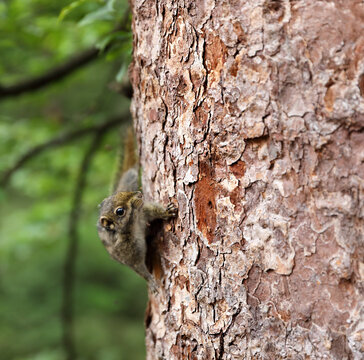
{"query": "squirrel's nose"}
pixel 106 223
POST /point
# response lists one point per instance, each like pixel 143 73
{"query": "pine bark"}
pixel 250 115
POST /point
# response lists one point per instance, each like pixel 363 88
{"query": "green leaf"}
pixel 121 73
pixel 105 13
pixel 67 9
pixel 118 36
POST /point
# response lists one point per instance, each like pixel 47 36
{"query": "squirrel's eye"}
pixel 120 211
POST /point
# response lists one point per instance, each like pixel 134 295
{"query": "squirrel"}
pixel 124 217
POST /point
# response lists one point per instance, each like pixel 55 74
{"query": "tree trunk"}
pixel 249 114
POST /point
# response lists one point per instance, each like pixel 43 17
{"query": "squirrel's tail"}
pixel 130 158
pixel 129 181
pixel 126 177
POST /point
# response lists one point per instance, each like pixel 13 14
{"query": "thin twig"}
pixel 72 248
pixel 51 76
pixel 59 141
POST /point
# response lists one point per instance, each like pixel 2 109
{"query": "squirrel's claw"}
pixel 171 210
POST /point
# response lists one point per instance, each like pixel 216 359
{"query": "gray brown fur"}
pixel 124 235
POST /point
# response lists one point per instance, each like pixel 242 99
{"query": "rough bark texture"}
pixel 250 114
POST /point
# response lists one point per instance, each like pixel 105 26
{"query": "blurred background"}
pixel 63 98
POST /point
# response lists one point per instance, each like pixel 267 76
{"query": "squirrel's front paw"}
pixel 171 210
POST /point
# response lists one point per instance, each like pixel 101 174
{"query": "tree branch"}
pixel 59 141
pixel 67 314
pixel 63 70
pixel 51 76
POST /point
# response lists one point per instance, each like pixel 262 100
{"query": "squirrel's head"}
pixel 117 211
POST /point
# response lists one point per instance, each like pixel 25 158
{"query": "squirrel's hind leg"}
pixel 142 270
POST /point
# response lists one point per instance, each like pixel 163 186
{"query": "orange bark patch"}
pixel 284 315
pixel 329 99
pixel 238 169
pixel 216 54
pixel 205 205
pixel 235 197
pixel 361 84
pixel 201 115
pixel 234 68
pixel 239 31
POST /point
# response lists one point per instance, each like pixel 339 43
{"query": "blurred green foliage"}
pixel 34 208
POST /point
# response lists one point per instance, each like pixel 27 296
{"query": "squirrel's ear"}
pixel 137 200
pixel 106 223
